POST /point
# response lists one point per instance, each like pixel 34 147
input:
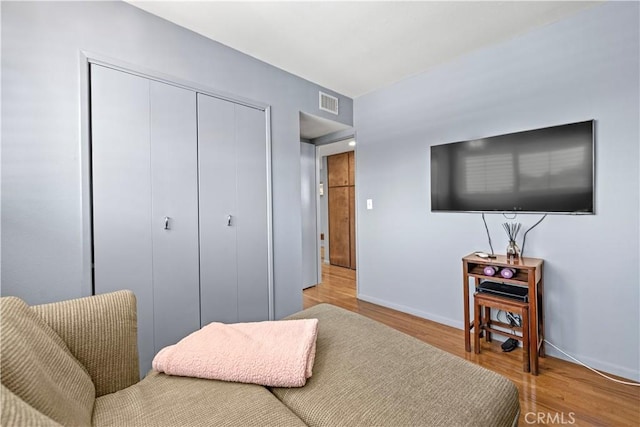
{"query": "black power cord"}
pixel 488 235
pixel 514 319
pixel 524 238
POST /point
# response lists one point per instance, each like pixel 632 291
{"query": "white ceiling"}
pixel 312 127
pixel 357 47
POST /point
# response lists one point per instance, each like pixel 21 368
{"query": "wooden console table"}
pixel 528 273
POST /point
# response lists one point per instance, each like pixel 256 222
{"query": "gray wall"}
pixel 42 215
pixel 308 186
pixel 584 67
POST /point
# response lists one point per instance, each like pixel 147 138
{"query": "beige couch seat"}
pixel 387 376
pixel 75 363
pixel 161 400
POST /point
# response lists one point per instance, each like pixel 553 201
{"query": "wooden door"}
pixel 342 225
pixel 338 170
pixel 340 253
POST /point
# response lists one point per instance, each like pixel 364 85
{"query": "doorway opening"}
pixel 328 197
pixel 337 214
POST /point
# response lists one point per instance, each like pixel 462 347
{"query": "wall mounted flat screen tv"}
pixel 547 170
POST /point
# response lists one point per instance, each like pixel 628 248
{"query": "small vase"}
pixel 513 251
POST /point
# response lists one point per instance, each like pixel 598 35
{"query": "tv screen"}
pixel 543 170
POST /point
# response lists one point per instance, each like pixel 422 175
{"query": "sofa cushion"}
pixel 101 332
pixel 16 412
pixel 162 400
pixel 367 374
pixel 37 366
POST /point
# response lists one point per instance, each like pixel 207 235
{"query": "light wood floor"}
pixel 563 394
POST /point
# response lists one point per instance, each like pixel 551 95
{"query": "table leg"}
pixel 465 297
pixel 476 325
pixel 541 311
pixel 526 346
pixel 533 323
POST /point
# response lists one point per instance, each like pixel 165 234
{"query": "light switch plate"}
pixel 369 204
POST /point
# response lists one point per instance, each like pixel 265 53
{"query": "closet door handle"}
pixel 229 220
pixel 166 223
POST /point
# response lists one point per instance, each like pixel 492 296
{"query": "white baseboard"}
pixel 605 367
pixel 429 316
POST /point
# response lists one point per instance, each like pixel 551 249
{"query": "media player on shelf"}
pixel 519 293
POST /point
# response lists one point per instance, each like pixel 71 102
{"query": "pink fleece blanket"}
pixel 274 353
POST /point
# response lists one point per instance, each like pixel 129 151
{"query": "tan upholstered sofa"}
pixel 75 363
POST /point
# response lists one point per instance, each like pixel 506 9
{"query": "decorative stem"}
pixel 512 230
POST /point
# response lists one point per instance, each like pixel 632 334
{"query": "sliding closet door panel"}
pixel 252 227
pixel 218 216
pixel 174 215
pixel 121 180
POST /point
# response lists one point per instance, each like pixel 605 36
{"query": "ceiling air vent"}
pixel 328 103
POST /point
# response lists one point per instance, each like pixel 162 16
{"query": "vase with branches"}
pixel 512 230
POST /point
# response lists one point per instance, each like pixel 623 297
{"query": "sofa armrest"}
pixel 101 332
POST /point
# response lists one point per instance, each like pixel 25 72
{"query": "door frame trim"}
pixel 87 58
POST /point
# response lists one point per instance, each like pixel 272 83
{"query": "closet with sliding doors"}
pixel 180 205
